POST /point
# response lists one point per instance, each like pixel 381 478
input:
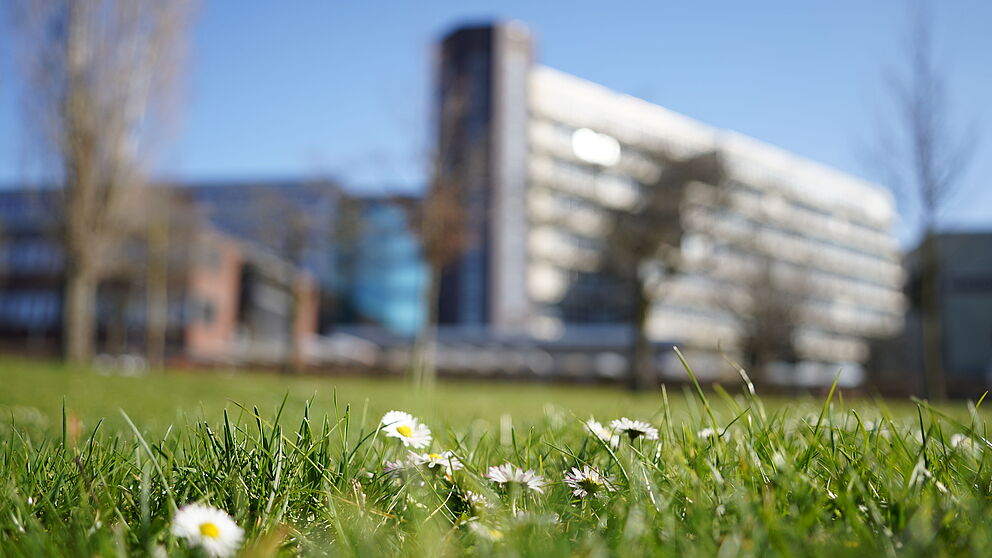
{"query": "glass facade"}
pixel 389 274
pixel 360 248
pixel 464 109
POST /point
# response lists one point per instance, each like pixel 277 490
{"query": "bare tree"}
pixel 644 248
pixel 153 253
pixel 286 227
pixel 923 157
pixel 442 222
pixel 443 238
pixel 769 310
pixel 346 232
pixel 292 246
pixel 169 226
pixel 101 75
pixel 157 277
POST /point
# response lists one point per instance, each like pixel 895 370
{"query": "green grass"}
pixel 832 477
pixel 33 394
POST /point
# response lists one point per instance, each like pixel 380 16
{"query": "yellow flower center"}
pixel 590 484
pixel 405 430
pixel 209 530
pixel 434 456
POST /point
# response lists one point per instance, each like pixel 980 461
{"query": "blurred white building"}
pixel 547 157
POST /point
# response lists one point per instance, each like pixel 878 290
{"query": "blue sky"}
pixel 342 88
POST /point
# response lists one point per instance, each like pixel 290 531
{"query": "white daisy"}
pixel 963 442
pixel 524 517
pixel 507 474
pixel 635 428
pixel 489 533
pixel 587 482
pixel 444 460
pixel 603 433
pixel 779 460
pixel 208 528
pixel 710 433
pixel 476 501
pixel 409 430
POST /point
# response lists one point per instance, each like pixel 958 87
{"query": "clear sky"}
pixel 287 89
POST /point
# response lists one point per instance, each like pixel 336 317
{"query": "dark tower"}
pixel 482 112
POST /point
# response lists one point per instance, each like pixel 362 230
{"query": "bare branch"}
pixel 100 72
pixel 926 156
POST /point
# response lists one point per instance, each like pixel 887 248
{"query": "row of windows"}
pixel 553 139
pixel 42 308
pixel 572 253
pixel 705 331
pixel 30 255
pixel 30 309
pixel 787 245
pixel 587 219
pixel 572 247
pixel 876 311
pixel 579 180
pixel 733 264
pixel 600 297
pixel 585 182
pixel 636 158
pixel 822 226
pixel 870 311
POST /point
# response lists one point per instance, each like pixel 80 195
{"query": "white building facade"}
pixel 561 155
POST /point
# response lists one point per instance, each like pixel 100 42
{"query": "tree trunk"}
pixel 642 372
pixel 759 363
pixel 933 368
pixel 423 369
pixel 79 314
pixel 116 342
pixel 294 353
pixel 157 295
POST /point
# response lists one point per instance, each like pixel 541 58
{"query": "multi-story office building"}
pixel 549 161
pixel 964 299
pixel 964 282
pixel 291 219
pixel 239 249
pixel 223 294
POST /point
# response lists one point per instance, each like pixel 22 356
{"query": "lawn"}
pixel 485 469
pixel 33 394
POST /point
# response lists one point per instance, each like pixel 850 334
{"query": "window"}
pixel 204 311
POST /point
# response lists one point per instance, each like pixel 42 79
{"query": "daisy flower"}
pixel 587 481
pixel 390 467
pixel 445 460
pixel 507 474
pixel 489 533
pixel 603 433
pixel 635 428
pixel 524 517
pixel 476 502
pixel 208 528
pixel 872 427
pixel 961 441
pixel 710 433
pixel 409 430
